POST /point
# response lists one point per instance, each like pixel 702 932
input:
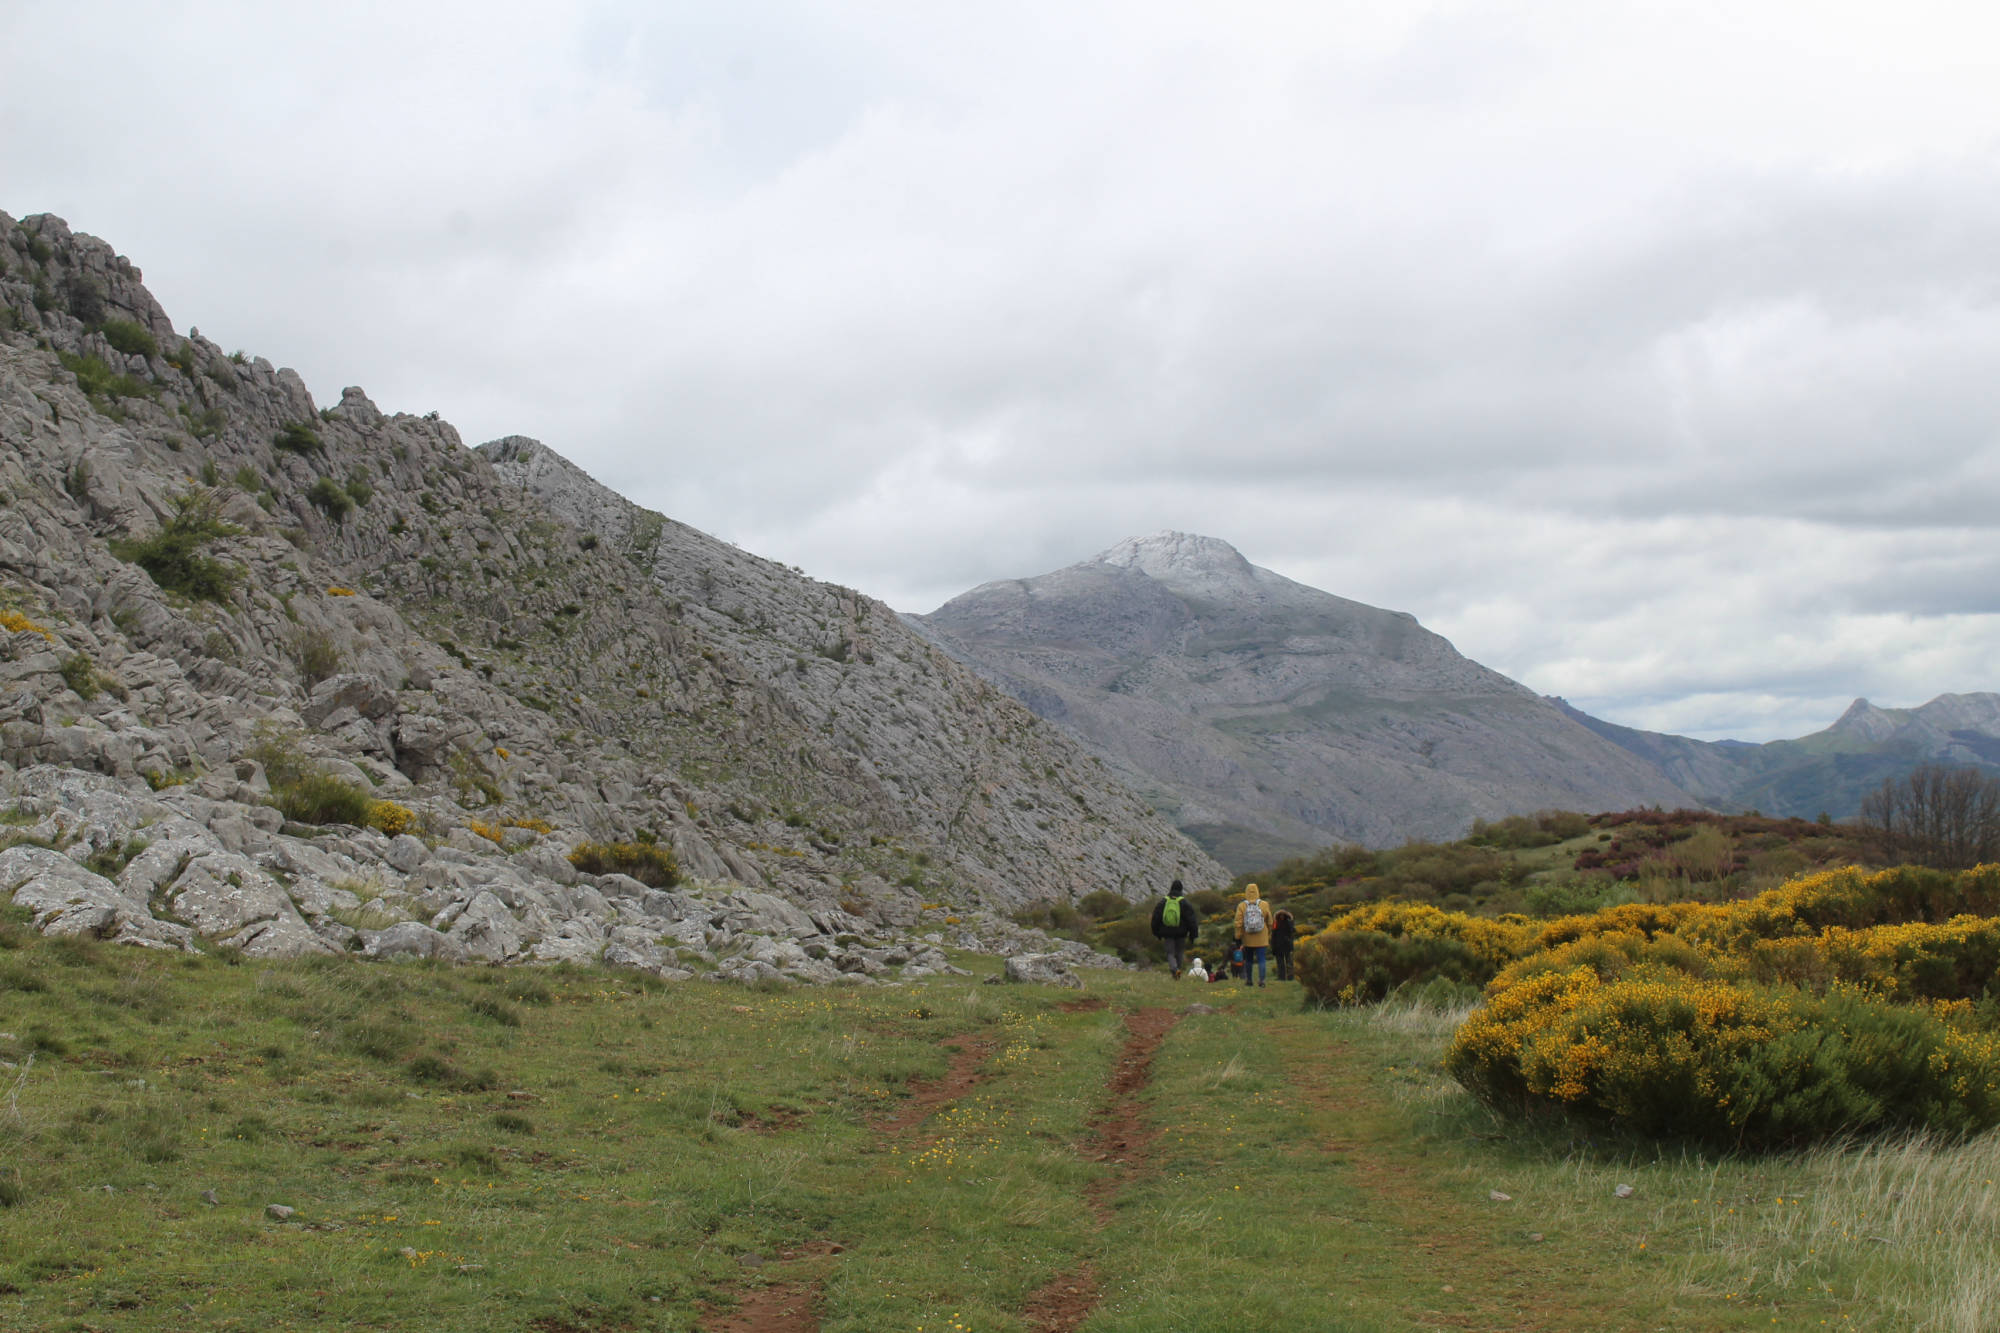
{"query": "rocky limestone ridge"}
pixel 411 620
pixel 112 859
pixel 1267 718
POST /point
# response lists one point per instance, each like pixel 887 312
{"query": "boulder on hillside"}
pixel 1042 969
pixel 67 899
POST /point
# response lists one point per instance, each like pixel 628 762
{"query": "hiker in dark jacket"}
pixel 1178 933
pixel 1284 934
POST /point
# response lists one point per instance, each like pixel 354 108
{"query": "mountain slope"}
pixel 934 748
pixel 420 621
pixel 1267 718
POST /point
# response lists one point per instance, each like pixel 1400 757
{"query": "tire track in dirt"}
pixel 1119 1137
pixel 793 1304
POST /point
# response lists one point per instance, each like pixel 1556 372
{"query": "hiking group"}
pixel 1256 929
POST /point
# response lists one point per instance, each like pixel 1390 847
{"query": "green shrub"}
pixel 297 437
pixel 1569 897
pixel 359 488
pixel 84 299
pixel 1515 831
pixel 1103 905
pixel 331 499
pixel 1364 966
pixel 649 863
pixel 1730 1064
pixel 499 1011
pixel 1053 915
pixel 299 789
pixel 109 861
pixel 173 554
pixel 100 383
pixel 1131 938
pixel 205 424
pixel 80 674
pixel 432 1069
pixel 1565 824
pixel 40 250
pixel 130 338
pixel 377 1037
pixel 317 798
pixel 318 657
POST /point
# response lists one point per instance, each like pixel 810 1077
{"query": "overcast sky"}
pixel 1650 352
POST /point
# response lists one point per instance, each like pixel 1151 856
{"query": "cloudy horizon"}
pixel 1647 353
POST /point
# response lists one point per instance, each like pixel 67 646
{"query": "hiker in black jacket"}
pixel 1284 934
pixel 1175 925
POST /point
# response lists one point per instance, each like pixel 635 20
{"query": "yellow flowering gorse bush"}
pixel 1844 1001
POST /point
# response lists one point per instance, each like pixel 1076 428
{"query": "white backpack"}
pixel 1253 918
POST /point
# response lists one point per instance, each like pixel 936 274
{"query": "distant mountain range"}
pixel 1267 718
pixel 1828 772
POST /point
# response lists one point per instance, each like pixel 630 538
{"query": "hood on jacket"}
pixel 1250 894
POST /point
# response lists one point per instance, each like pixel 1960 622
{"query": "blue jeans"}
pixel 1254 954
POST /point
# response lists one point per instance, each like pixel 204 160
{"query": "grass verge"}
pixel 571 1149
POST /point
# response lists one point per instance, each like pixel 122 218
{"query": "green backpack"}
pixel 1170 913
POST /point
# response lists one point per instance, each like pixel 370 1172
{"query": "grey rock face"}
pixel 1268 718
pixel 69 900
pixel 1016 810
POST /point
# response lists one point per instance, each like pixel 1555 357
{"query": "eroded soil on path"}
pixel 966 1071
pixel 792 1304
pixel 1119 1137
pixel 788 1306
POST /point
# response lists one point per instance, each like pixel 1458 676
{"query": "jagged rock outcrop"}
pixel 109 858
pixel 361 597
pixel 1268 718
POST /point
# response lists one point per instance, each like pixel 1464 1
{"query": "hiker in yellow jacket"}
pixel 1253 932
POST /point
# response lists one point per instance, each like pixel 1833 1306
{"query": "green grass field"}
pixel 574 1150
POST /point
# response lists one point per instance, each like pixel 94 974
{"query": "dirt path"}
pixel 791 1304
pixel 1496 1289
pixel 966 1071
pixel 1119 1137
